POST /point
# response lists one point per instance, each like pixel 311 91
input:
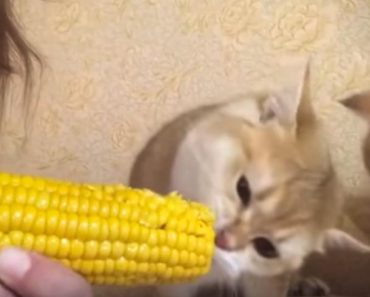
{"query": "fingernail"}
pixel 14 264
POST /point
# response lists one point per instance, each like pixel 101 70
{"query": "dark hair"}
pixel 16 58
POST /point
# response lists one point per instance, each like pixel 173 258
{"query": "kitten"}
pixel 261 164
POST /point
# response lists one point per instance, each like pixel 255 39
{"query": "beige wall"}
pixel 117 69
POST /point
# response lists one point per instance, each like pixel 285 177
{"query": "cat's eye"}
pixel 265 248
pixel 243 190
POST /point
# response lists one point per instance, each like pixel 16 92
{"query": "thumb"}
pixel 31 275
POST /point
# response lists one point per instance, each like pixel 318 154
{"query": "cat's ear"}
pixel 292 108
pixel 359 103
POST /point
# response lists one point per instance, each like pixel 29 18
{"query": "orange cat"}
pixel 262 165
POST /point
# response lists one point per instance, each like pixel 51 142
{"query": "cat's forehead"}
pixel 269 141
pixel 270 147
pixel 242 143
pixel 269 180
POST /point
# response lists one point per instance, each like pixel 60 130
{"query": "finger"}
pixel 4 292
pixel 31 275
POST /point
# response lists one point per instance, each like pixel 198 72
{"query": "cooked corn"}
pixel 110 234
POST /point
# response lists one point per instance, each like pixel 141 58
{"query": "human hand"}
pixel 27 274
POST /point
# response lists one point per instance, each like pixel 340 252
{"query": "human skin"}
pixel 27 274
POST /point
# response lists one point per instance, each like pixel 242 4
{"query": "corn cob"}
pixel 111 234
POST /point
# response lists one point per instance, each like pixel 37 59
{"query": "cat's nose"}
pixel 223 240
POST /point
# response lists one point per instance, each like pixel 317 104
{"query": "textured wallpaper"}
pixel 116 70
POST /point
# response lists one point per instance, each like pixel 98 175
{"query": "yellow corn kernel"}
pixel 28 241
pixel 154 254
pixel 20 195
pixel 77 249
pixel 32 196
pixel 16 237
pixel 84 206
pixel 99 267
pixel 4 218
pixel 184 257
pixel 91 250
pixel 62 224
pixel 7 195
pixel 52 246
pixel 118 249
pixel 52 220
pixel 83 228
pixel 40 243
pixel 86 267
pixel 143 253
pixel 105 249
pixel 109 266
pixel 43 200
pixel 72 225
pixel 39 226
pixel 121 265
pixel 16 216
pixel 64 248
pixel 94 227
pixel 110 234
pixel 28 217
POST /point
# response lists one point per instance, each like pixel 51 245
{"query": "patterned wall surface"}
pixel 116 70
